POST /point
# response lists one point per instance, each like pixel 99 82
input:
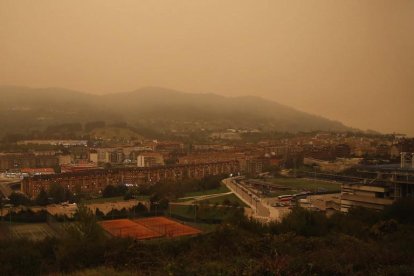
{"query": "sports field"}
pixel 167 227
pixel 204 212
pixel 219 190
pixel 128 228
pixel 230 199
pixel 31 231
pixel 296 185
pixel 147 228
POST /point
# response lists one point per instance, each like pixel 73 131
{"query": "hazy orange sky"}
pixel 350 60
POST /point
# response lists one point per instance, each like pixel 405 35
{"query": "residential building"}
pixel 150 159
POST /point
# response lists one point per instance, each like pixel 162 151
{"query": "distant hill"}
pixel 27 109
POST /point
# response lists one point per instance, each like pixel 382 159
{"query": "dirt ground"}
pixel 167 227
pixel 148 228
pixel 319 201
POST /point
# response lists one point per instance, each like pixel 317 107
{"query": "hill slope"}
pixel 25 109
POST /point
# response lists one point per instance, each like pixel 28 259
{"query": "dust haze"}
pixel 351 61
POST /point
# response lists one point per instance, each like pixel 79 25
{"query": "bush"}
pixel 42 198
pixel 113 191
pixel 401 210
pixel 305 223
pixel 19 199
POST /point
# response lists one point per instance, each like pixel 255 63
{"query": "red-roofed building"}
pixel 78 167
pixel 37 171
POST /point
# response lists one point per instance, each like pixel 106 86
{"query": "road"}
pixel 261 209
pixel 5 184
pixel 191 199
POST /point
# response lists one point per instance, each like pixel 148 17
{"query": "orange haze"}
pixel 348 60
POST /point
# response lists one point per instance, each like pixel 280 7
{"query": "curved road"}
pixel 5 184
pixel 262 210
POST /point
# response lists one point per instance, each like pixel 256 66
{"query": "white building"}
pixel 150 159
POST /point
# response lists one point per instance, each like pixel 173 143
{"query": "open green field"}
pixel 300 184
pixel 221 189
pixel 233 199
pixel 205 227
pixel 188 212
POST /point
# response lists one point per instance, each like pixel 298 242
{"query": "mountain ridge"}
pixel 153 107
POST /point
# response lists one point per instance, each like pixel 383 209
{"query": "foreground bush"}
pixel 358 243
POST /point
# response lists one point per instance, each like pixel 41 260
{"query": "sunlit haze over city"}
pixel 231 137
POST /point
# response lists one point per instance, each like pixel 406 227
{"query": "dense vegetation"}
pixel 55 194
pixel 162 191
pixel 361 242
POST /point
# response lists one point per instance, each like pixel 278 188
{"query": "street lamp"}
pixel 257 200
pixel 10 214
pixel 156 203
pixel 112 211
pixel 1 208
pixel 314 173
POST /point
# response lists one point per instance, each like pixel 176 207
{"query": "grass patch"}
pixel 301 184
pixel 184 199
pixel 205 227
pixel 31 231
pixel 232 198
pixel 219 190
pixel 188 213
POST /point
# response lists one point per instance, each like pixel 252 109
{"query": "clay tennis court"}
pixel 147 228
pixel 168 227
pixel 128 228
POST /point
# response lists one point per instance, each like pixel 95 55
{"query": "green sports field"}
pixel 296 185
pixel 221 200
pixel 205 212
pixel 31 231
pixel 221 189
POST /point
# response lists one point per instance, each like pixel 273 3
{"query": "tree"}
pixel 305 223
pixel 57 169
pixel 139 208
pixel 19 199
pixel 42 198
pixel 128 195
pixel 1 206
pixel 69 196
pixel 83 243
pixel 57 193
pixel 401 210
pixel 121 190
pixel 109 191
pixel 99 214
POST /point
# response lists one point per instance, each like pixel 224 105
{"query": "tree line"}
pixel 361 242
